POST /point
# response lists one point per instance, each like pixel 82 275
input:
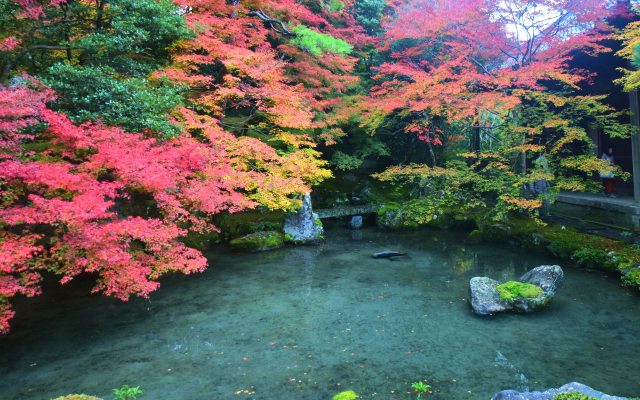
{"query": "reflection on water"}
pixel 308 322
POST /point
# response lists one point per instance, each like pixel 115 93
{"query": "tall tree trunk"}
pixel 475 139
pixel 100 14
pixel 67 22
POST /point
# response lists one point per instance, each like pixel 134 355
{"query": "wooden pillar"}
pixel 635 143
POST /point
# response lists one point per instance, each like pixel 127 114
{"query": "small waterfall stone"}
pixel 303 226
pixel 355 222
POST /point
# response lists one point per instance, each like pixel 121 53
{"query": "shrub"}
pixel 318 43
pixel 127 393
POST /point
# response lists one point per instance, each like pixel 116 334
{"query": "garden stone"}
pixel 303 226
pixel 355 222
pixel 548 277
pixel 549 394
pixel 484 297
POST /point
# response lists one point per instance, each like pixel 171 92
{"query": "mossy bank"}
pixel 585 250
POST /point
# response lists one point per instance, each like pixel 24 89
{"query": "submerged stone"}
pixel 355 222
pixel 303 226
pixel 388 254
pixel 486 299
pixel 573 387
pixel 258 241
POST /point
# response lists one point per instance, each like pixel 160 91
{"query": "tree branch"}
pixel 272 22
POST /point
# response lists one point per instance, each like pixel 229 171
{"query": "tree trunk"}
pixel 100 14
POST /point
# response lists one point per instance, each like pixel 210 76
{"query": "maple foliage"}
pixel 479 55
pixel 630 37
pixel 238 62
pixel 502 70
pixel 70 195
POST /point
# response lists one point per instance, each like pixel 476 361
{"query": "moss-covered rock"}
pixel 77 397
pixel 258 241
pixel 572 396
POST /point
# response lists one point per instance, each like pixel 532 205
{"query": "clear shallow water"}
pixel 309 322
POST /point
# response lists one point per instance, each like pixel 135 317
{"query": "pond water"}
pixel 309 322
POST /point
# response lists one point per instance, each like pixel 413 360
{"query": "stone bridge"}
pixel 347 211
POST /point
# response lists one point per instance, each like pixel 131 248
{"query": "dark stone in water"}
pixel 549 394
pixel 388 254
pixel 355 222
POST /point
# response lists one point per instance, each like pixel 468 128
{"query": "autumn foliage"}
pixel 168 113
pixel 71 196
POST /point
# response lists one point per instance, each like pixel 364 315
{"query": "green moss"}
pixel 591 257
pixel 258 241
pixel 348 395
pixel 632 277
pixel 572 396
pixel 513 290
pixel 77 397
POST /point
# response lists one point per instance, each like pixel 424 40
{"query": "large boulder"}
pixel 487 296
pixel 303 226
pixel 551 393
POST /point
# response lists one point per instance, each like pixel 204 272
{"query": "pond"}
pixel 309 322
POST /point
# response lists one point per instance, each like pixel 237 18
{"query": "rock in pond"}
pixel 303 226
pixel 258 241
pixel 388 254
pixel 355 222
pixel 551 393
pixel 486 299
